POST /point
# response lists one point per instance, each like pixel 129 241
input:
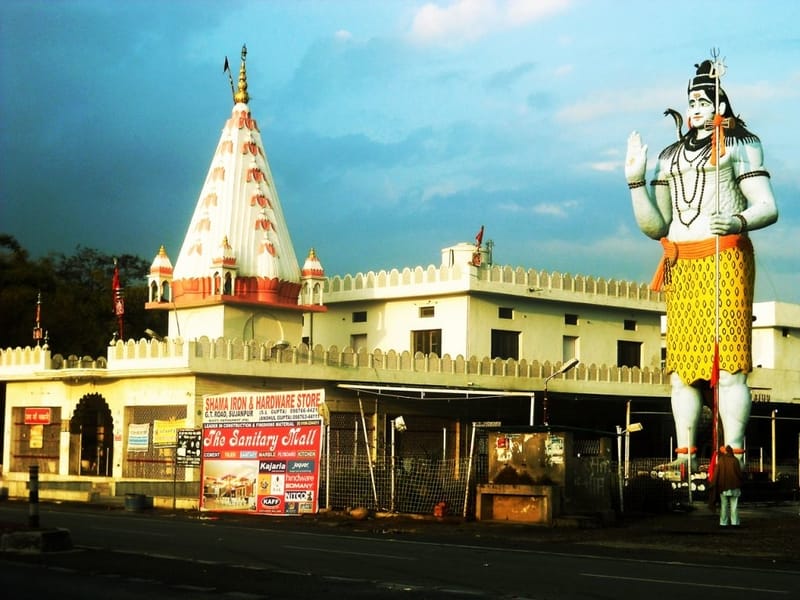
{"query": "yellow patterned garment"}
pixel 689 285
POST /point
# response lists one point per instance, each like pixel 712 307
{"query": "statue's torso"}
pixel 698 189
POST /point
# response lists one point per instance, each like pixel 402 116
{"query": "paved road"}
pixel 159 555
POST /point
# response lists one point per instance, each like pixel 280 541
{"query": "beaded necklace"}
pixel 688 209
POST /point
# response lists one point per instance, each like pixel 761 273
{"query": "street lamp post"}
pixel 622 473
pixel 398 424
pixel 570 364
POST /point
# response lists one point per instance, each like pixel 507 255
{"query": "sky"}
pixel 393 129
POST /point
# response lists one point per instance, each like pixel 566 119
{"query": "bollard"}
pixel 33 497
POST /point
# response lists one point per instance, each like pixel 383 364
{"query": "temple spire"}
pixel 242 95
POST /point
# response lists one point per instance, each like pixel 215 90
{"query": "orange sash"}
pixel 673 251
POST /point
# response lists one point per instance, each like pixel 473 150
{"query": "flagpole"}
pixel 227 69
pixel 717 71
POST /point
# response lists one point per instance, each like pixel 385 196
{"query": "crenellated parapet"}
pixel 511 280
pixel 334 364
pixel 26 359
pixel 148 353
pixel 346 365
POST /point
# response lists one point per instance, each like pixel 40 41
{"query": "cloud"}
pixel 560 210
pixel 601 104
pixel 606 166
pixel 470 20
pixel 343 35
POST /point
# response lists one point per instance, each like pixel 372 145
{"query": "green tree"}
pixel 77 298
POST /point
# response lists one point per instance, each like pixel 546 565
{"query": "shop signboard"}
pixel 189 450
pixel 37 415
pixel 261 452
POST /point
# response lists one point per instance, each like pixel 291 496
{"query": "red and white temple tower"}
pixel 237 274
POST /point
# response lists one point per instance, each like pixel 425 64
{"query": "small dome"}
pixel 161 263
pixel 225 255
pixel 312 267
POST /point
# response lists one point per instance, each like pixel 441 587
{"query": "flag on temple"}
pixel 226 67
pixel 117 296
pixel 479 237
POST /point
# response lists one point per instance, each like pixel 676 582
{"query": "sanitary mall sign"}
pixel 261 452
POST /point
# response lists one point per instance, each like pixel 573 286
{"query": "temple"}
pixel 447 345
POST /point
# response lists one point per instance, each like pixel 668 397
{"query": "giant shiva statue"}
pixel 709 189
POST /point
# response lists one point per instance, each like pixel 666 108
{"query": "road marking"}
pixel 392 556
pixel 136 531
pixel 709 585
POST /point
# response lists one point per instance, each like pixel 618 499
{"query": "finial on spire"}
pixel 242 95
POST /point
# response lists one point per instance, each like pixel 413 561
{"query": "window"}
pixel 358 342
pixel 629 354
pixel 505 344
pixel 426 311
pixel 629 325
pixel 570 319
pixel 505 313
pixel 360 316
pixel 570 348
pixel 427 341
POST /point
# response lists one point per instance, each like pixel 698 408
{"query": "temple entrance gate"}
pixel 91 446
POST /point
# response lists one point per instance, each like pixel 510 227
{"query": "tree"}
pixel 77 309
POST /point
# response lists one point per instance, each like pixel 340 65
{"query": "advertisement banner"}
pixel 261 451
pixel 165 433
pixel 138 437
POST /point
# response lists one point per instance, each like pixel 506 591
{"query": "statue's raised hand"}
pixel 636 158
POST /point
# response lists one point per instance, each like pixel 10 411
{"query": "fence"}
pixel 654 487
pixel 415 485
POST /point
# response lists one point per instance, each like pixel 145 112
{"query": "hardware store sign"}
pixel 261 452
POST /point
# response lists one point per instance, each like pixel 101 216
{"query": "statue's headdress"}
pixel 705 79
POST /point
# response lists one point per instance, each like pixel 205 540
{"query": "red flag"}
pixel 479 237
pixel 117 298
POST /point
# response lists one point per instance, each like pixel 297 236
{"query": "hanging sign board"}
pixel 189 450
pixel 261 452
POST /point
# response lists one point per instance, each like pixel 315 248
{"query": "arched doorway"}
pixel 91 431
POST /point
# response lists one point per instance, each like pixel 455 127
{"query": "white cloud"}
pixel 601 104
pixel 343 35
pixel 469 20
pixel 553 209
pixel 563 70
pixel 522 12
pixel 606 166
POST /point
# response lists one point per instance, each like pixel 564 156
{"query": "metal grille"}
pixel 35 444
pixel 158 461
pixel 415 484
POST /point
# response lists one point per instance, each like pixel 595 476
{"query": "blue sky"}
pixel 393 128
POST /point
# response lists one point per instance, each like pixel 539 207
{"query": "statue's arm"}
pixel 761 208
pixel 652 216
pixel 754 183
